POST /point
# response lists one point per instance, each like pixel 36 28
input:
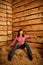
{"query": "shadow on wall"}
pixel 40 50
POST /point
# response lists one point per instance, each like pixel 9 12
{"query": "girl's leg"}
pixel 28 50
pixel 11 53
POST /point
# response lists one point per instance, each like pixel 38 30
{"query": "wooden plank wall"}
pixel 5 22
pixel 28 14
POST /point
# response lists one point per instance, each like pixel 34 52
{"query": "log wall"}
pixel 5 22
pixel 25 14
pixel 28 15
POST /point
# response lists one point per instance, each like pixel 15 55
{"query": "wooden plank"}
pixel 9 1
pixel 41 19
pixel 31 16
pixel 16 1
pixel 29 28
pixel 3 19
pixel 3 38
pixel 3 43
pixel 9 37
pixel 33 4
pixel 9 42
pixel 9 23
pixel 32 11
pixel 27 18
pixel 28 12
pixel 2 6
pixel 17 19
pixel 37 10
pixel 34 45
pixel 2 10
pixel 3 32
pixel 9 32
pixel 6 3
pixel 21 3
pixel 9 15
pixel 16 24
pixel 3 23
pixel 9 7
pixel 9 27
pixel 37 40
pixel 41 8
pixel 2 14
pixel 38 15
pixel 9 11
pixel 9 19
pixel 35 33
pixel 3 27
pixel 28 22
pixel 34 27
pixel 16 28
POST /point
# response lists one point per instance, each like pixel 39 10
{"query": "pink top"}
pixel 20 40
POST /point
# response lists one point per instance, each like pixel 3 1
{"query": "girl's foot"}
pixel 9 58
pixel 30 57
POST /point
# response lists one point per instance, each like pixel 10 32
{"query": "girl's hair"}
pixel 19 33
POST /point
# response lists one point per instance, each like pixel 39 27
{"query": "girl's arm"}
pixel 13 42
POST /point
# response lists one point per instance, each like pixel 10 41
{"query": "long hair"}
pixel 19 33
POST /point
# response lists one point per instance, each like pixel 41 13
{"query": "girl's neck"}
pixel 20 35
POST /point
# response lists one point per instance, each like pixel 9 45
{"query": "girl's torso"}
pixel 21 40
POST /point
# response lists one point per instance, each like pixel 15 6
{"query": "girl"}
pixel 21 43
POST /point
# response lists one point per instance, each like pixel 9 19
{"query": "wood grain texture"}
pixel 28 15
pixel 25 14
pixel 5 22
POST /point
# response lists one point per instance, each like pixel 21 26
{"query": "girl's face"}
pixel 21 32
